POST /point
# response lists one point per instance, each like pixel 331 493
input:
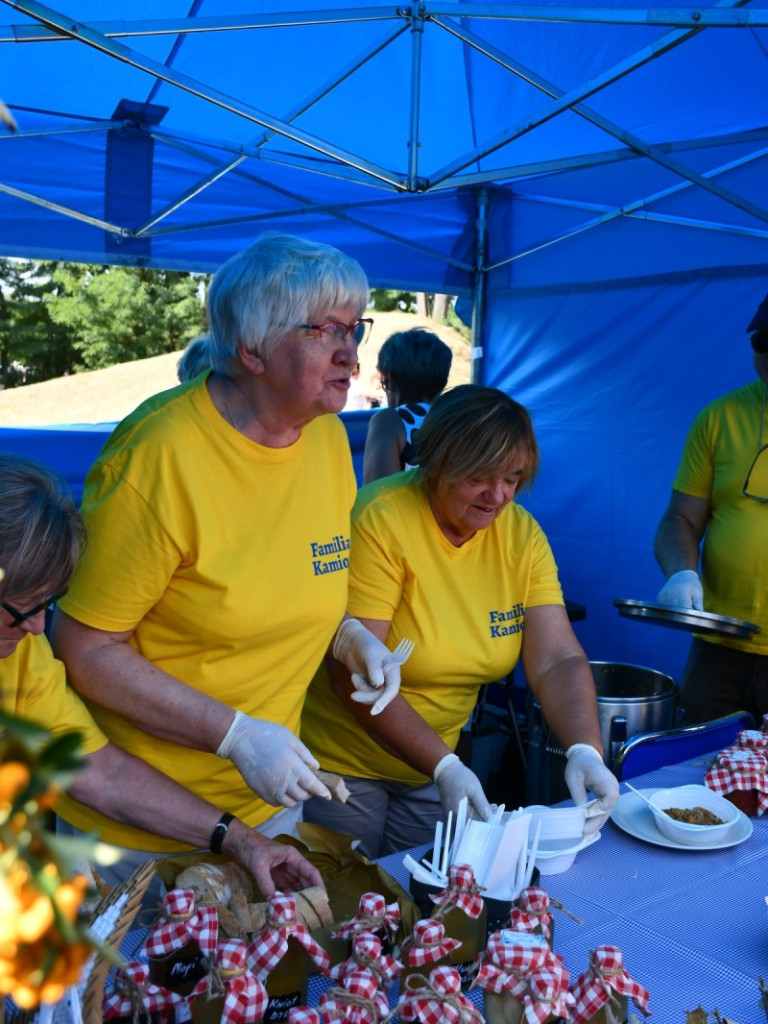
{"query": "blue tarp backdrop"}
pixel 590 181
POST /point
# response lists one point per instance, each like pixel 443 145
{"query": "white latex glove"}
pixel 682 590
pixel 275 763
pixel 454 781
pixel 585 770
pixel 375 676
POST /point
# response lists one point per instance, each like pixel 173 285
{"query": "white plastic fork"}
pixel 402 652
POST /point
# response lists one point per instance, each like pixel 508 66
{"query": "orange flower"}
pixel 14 777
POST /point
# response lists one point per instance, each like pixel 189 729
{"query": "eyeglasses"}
pixel 756 482
pixel 336 332
pixel 19 617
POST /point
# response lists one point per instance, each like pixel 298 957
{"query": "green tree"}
pixel 117 314
pixel 32 346
pixel 386 300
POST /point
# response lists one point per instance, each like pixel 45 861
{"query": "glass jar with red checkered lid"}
pixel 424 949
pixel 374 916
pixel 238 997
pixel 740 774
pixel 522 980
pixel 602 993
pixel 280 956
pixel 437 998
pixel 462 909
pixel 531 912
pixel 181 943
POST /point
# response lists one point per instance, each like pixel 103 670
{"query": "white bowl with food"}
pixel 692 815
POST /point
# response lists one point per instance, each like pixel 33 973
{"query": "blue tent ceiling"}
pixel 593 178
pixel 173 141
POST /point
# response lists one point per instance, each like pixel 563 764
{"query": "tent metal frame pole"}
pixel 307 103
pixel 84 34
pixel 482 204
pixel 417 38
pixel 637 209
pixel 572 100
pixel 673 17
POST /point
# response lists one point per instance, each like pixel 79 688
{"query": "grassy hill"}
pixel 100 396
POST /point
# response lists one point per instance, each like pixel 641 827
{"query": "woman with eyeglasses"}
pixel 718 511
pixel 444 556
pixel 218 545
pixel 41 535
pixel 414 367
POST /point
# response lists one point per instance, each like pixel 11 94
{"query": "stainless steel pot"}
pixel 630 699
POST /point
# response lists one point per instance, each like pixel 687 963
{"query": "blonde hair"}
pixel 41 532
pixel 475 431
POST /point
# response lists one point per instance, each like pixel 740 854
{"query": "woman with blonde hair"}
pixel 444 556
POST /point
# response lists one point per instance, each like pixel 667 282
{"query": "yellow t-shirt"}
pixel 717 454
pixel 464 607
pixel 230 560
pixel 33 685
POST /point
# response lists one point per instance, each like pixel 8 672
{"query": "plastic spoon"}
pixel 642 796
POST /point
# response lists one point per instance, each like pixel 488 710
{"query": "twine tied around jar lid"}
pixel 427 943
pixel 548 993
pixel 373 914
pixel 462 891
pixel 532 910
pixel 437 999
pixel 245 998
pixel 367 953
pixel 509 960
pixel 127 998
pixel 605 975
pixel 135 995
pixel 359 990
pixel 182 922
pixel 270 945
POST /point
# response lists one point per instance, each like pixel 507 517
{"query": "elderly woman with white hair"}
pixel 218 520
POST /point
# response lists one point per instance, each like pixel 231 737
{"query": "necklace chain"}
pixel 226 403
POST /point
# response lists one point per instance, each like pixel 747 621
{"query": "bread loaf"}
pixel 226 886
pixel 335 784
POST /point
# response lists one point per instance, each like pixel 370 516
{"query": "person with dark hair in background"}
pixel 195 358
pixel 719 511
pixel 41 537
pixel 414 367
pixel 444 556
pixel 218 518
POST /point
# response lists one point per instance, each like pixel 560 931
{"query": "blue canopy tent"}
pixel 590 181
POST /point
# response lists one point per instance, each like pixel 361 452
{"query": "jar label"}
pixel 467 970
pixel 278 1006
pixel 181 970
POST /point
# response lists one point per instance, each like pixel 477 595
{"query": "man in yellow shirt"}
pixel 719 511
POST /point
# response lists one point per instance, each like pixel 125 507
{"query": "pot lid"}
pixel 685 618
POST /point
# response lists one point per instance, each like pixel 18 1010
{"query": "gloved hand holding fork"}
pixel 374 668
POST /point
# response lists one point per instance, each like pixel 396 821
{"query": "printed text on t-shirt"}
pixel 330 556
pixel 504 623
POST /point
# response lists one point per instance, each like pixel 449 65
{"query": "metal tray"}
pixel 685 618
